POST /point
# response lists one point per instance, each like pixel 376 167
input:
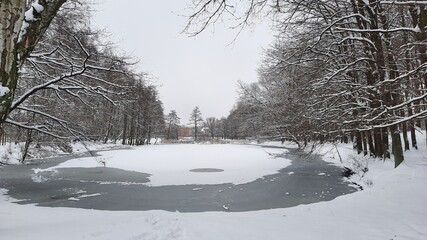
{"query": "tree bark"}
pixel 370 143
pixel 18 37
pixel 412 129
pixel 125 126
pixel 27 145
pixel 109 125
pixel 386 145
pixel 195 130
pixel 365 143
pixel 396 145
pixel 379 148
pixel 359 145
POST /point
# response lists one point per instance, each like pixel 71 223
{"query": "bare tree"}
pixel 212 124
pixel 143 114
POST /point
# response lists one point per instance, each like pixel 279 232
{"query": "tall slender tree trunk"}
pixel 27 145
pixel 396 145
pixel 109 125
pixel 168 132
pixel 411 126
pixel 359 145
pixel 195 130
pixel 2 135
pixel 149 134
pixel 125 126
pixel 370 143
pixel 386 145
pixel 132 130
pixel 379 148
pixel 365 143
pixel 405 135
pixel 413 136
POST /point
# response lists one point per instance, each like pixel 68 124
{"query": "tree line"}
pixel 338 70
pixel 69 83
pixel 210 129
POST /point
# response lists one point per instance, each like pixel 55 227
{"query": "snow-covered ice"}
pixel 171 164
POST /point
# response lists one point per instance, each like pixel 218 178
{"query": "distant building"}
pixel 185 132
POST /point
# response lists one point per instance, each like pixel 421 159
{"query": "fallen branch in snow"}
pixel 358 185
pixel 339 155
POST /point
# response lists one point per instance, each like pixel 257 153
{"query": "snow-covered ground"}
pixel 11 153
pixel 392 206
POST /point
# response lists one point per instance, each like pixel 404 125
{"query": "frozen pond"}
pixel 233 178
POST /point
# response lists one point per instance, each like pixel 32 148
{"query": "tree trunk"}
pixel 109 125
pixel 16 45
pixel 370 143
pixel 125 126
pixel 168 132
pixel 412 129
pixel 396 145
pixel 379 148
pixel 405 135
pixel 195 130
pixel 386 145
pixel 345 139
pixel 27 145
pixel 132 130
pixel 359 146
pixel 2 135
pixel 413 136
pixel 12 16
pixel 365 143
pixel 149 134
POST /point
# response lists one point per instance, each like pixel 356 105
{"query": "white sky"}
pixel 199 71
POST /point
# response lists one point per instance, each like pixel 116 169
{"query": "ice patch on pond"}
pixel 38 179
pixel 39 170
pixel 90 195
pixel 206 170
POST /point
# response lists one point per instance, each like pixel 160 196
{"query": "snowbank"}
pixel 10 153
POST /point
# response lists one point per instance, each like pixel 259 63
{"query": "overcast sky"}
pixel 191 71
